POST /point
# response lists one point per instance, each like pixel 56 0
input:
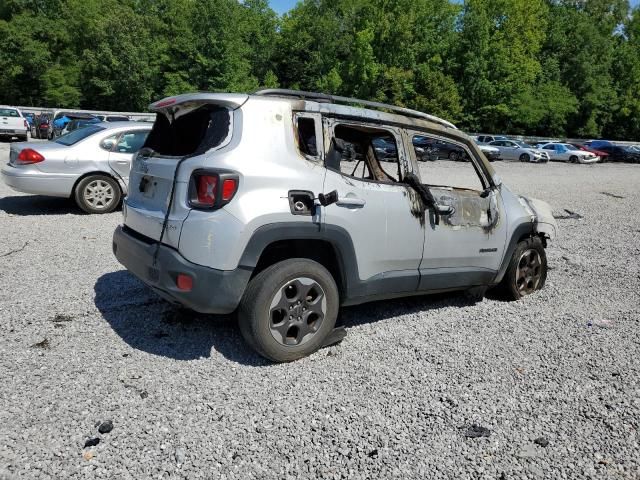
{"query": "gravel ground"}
pixel 83 342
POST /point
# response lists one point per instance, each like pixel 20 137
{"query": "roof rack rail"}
pixel 323 97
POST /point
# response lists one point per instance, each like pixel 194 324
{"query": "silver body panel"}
pixel 389 238
pixel 63 166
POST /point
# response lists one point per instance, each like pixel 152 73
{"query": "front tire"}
pixel 98 194
pixel 454 156
pixel 524 157
pixel 527 270
pixel 289 309
pixel 574 159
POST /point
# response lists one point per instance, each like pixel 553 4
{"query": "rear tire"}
pixel 98 194
pixel 527 270
pixel 289 309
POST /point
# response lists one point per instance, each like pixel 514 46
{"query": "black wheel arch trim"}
pixel 524 230
pixel 337 237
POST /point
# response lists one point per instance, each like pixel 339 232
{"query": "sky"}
pixel 282 6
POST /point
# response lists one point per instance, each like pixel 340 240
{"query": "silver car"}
pixel 90 165
pixel 565 152
pixel 314 219
pixel 516 150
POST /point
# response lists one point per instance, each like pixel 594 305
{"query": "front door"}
pixel 465 247
pixel 365 165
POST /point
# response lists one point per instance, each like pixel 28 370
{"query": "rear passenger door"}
pixel 466 247
pixel 122 152
pixel 381 215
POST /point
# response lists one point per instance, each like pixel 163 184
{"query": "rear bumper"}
pixel 30 180
pixel 214 291
pixel 12 132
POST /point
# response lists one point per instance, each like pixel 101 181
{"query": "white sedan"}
pixel 568 153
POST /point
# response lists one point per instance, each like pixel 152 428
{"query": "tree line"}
pixel 538 67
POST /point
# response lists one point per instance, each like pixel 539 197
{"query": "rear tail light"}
pixel 211 190
pixel 26 125
pixel 29 155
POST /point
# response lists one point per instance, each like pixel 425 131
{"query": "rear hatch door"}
pixel 186 127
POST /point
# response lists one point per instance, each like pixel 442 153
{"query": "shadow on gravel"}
pixel 38 205
pixel 387 309
pixel 148 323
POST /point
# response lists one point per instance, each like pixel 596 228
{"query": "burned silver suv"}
pixel 285 205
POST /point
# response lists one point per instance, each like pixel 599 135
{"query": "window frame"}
pixel 485 180
pixel 405 167
pixel 317 120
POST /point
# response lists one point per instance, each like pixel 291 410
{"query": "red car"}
pixel 603 155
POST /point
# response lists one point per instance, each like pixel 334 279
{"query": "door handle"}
pixel 122 162
pixel 350 202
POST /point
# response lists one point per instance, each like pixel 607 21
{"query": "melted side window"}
pixel 364 152
pixel 445 163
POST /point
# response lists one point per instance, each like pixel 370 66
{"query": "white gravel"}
pixel 83 342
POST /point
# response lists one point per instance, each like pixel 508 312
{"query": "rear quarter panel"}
pixel 265 155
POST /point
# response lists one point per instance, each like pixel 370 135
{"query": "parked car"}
pixel 516 150
pixel 619 153
pixel 12 123
pixel 566 152
pixel 30 118
pixel 43 126
pixel 598 143
pixel 487 139
pixel 492 153
pixel 603 155
pixel 79 123
pixel 385 148
pixel 63 119
pixel 208 224
pixel 437 149
pixel 90 165
pixel 113 118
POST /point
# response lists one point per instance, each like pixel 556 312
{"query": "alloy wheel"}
pixel 528 272
pixel 297 311
pixel 99 194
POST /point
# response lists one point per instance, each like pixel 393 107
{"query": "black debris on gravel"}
pixel 542 441
pixel 62 317
pixel 44 344
pixel 105 427
pixel 569 216
pixel 373 453
pixel 11 252
pixel 477 431
pixel 613 195
pixel 91 442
